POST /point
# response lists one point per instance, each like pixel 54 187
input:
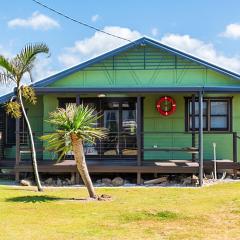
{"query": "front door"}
pixel 119 117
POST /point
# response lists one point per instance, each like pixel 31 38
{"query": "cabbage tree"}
pixel 75 125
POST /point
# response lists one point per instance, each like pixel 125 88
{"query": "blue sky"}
pixel 207 29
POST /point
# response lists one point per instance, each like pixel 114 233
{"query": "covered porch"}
pixel 171 152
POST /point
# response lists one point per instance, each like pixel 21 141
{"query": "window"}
pixel 216 114
pixel 11 131
pixel 63 101
pixel 118 115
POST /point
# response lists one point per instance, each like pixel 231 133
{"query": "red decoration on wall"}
pixel 166 106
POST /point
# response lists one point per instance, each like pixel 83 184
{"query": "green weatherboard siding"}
pixel 147 67
pixel 154 122
pixel 144 78
pixel 158 69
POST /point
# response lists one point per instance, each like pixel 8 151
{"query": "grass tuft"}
pixel 147 215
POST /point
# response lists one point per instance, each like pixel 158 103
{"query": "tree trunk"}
pixel 81 164
pixel 34 157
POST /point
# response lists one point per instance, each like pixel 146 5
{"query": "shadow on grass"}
pixel 34 199
pixel 19 189
pixel 44 198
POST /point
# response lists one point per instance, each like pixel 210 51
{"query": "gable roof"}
pixel 141 41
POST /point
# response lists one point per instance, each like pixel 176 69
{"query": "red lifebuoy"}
pixel 166 106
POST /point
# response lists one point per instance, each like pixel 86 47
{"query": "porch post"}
pixel 78 100
pixel 235 151
pixel 17 149
pixel 235 147
pixel 77 176
pixel 139 131
pixel 193 127
pixel 200 137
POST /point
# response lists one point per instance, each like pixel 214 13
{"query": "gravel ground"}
pixel 207 182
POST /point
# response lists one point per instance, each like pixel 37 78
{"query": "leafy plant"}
pixel 75 126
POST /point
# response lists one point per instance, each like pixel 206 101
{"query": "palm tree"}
pixel 13 71
pixel 75 125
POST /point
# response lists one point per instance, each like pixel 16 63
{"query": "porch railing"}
pixel 116 145
pixel 184 145
pixel 167 145
pixel 153 146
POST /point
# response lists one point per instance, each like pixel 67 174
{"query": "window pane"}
pixel 219 122
pixel 10 130
pixel 110 145
pixel 128 137
pixel 111 120
pixel 197 122
pixel 219 108
pixel 63 101
pixel 90 149
pixel 129 121
pixel 196 108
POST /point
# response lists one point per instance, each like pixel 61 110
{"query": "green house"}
pixel 164 110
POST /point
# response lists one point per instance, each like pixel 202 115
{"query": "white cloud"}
pixel 99 43
pixel 232 31
pixel 68 59
pixel 95 17
pixel 36 21
pixel 96 45
pixel 42 68
pixel 154 32
pixel 203 50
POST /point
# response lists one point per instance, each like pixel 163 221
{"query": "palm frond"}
pixel 6 78
pixel 7 65
pixel 57 142
pixel 79 120
pixel 28 55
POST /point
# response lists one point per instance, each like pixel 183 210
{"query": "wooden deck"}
pixel 122 166
pixel 116 166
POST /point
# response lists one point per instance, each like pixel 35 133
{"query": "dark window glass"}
pixel 63 101
pixel 216 114
pixel 11 131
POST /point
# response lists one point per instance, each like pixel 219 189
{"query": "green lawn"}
pixel 135 213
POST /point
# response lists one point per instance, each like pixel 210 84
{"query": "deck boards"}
pixel 122 166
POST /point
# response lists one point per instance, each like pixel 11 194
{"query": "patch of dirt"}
pixel 103 197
